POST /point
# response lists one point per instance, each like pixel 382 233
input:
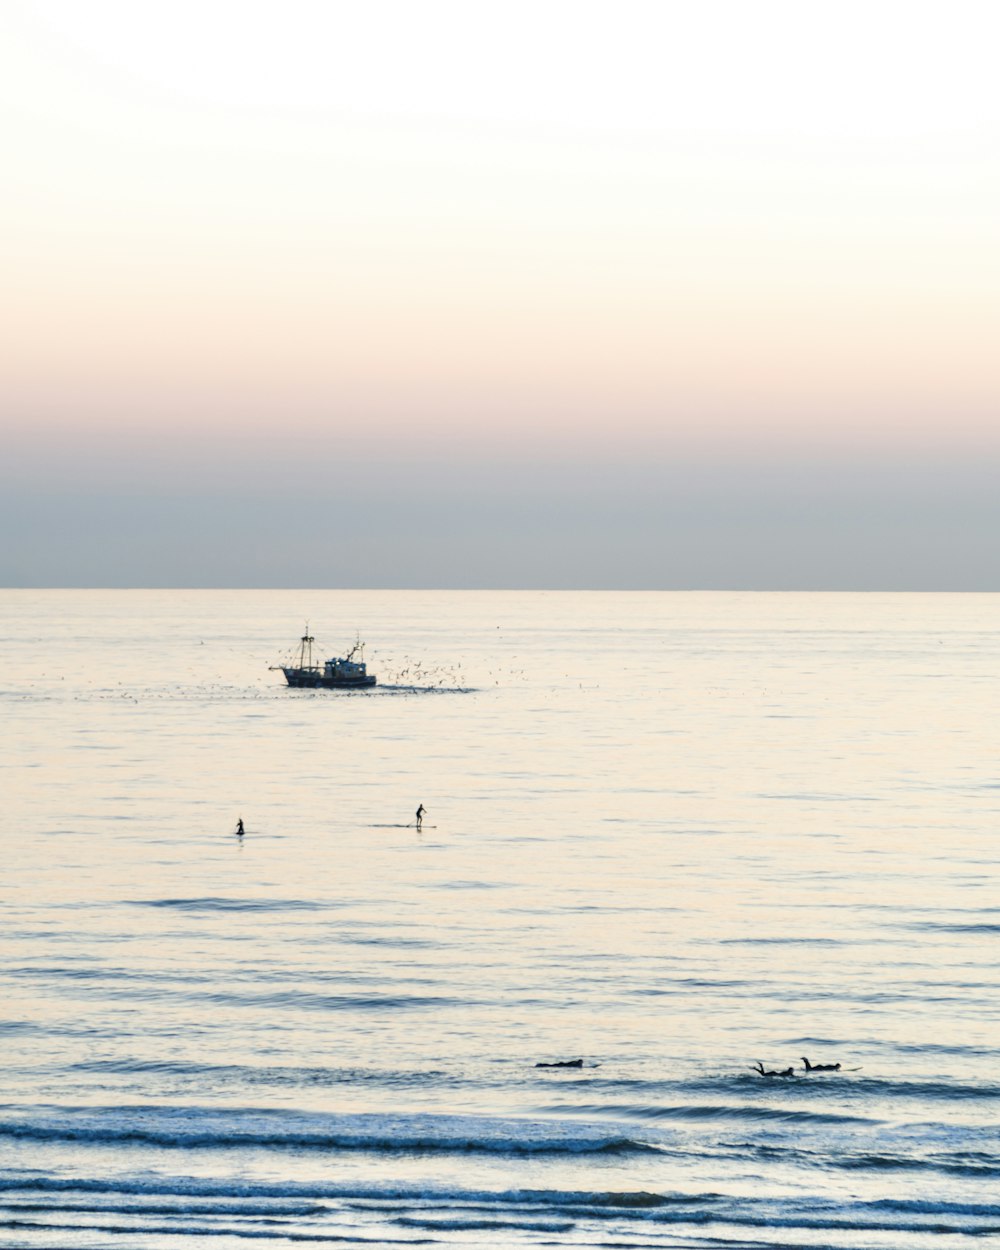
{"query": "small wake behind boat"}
pixel 342 673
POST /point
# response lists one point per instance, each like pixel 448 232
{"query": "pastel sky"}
pixel 526 294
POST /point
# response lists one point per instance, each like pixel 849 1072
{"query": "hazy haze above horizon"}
pixel 522 295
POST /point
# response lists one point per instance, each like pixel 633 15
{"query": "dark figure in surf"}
pixel 820 1067
pixel 420 816
pixel 562 1063
pixel 771 1071
pixel 239 827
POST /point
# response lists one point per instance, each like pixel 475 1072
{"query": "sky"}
pixel 566 295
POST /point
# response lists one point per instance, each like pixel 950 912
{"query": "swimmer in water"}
pixel 819 1067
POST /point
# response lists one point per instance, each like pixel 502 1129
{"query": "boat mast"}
pixel 306 649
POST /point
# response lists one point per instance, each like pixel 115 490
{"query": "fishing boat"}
pixel 341 673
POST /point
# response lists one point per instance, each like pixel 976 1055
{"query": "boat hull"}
pixel 304 679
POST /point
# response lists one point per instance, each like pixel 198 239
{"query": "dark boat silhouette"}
pixel 341 673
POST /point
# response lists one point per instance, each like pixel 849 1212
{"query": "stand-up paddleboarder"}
pixel 239 828
pixel 420 816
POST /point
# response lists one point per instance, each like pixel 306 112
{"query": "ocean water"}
pixel 669 835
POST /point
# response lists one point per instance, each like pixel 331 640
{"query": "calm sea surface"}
pixel 667 834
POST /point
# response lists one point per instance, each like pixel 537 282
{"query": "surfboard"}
pixel 411 825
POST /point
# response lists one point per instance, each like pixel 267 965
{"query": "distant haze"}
pixel 544 295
